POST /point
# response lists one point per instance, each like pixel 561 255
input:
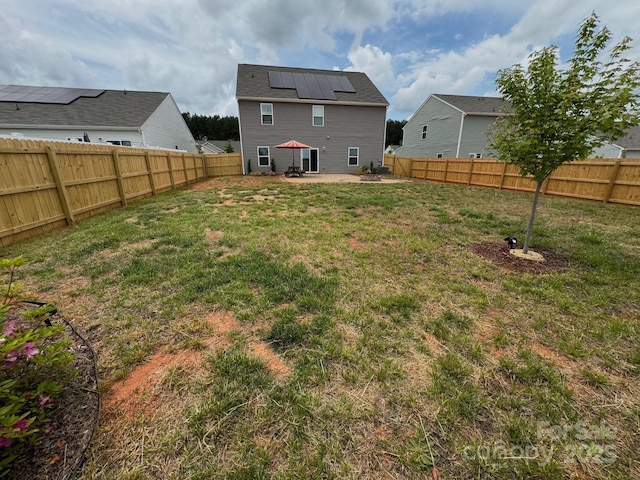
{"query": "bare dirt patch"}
pixel 498 253
pixel 141 388
pixel 249 180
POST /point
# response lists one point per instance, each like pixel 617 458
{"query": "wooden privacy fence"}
pixel 606 180
pixel 45 185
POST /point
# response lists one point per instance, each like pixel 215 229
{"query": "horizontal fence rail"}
pixel 615 180
pixel 46 185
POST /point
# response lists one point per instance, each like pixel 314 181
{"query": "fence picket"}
pixel 47 184
pixel 591 179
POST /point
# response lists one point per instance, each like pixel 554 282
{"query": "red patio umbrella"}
pixel 293 145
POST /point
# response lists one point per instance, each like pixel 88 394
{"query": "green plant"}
pixel 35 368
pixel 558 116
pixel 273 165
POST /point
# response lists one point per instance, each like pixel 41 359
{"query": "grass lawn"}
pixel 249 328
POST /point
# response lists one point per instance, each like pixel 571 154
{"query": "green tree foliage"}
pixel 394 132
pixel 558 116
pixel 212 128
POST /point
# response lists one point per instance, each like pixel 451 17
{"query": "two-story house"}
pixel 451 126
pixel 340 115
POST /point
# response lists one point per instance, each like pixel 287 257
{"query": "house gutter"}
pixel 311 101
pixel 68 127
pixel 460 134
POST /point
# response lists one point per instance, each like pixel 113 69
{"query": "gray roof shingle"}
pixel 112 108
pixel 253 83
pixel 475 105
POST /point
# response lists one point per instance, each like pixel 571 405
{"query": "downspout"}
pixel 144 143
pixel 241 142
pixel 460 135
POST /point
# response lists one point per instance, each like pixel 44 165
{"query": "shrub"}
pixel 34 368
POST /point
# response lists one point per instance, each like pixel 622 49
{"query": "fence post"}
pixel 426 170
pixel 446 167
pixel 470 171
pixel 543 190
pixel 152 182
pixel 612 181
pixel 504 173
pixel 205 174
pixel 63 195
pixel 173 182
pixel 116 166
pixel 184 169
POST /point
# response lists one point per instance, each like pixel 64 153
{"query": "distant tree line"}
pixel 394 132
pixel 205 127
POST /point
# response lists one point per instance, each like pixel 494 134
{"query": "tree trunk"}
pixel 527 240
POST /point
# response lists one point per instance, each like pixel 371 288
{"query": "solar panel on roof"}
pixel 301 86
pixel 325 87
pixel 314 88
pixel 287 80
pixel 311 85
pixel 275 80
pixel 55 95
pixel 346 85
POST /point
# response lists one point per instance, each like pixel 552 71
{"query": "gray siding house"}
pixel 625 147
pixel 131 118
pixel 340 115
pixel 450 126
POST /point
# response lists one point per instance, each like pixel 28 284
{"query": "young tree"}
pixel 558 116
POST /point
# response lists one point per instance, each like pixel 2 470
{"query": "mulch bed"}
pixel 498 253
pixel 73 416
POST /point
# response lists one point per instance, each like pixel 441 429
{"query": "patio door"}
pixel 310 160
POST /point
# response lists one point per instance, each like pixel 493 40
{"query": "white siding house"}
pixel 132 118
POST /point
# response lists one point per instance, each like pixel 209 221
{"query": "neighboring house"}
pixel 120 117
pixel 391 149
pixel 625 147
pixel 340 115
pixel 218 146
pixel 451 126
pixel 209 147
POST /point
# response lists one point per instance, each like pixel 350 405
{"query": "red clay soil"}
pixel 138 390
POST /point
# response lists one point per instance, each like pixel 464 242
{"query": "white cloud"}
pixel 192 47
pixel 375 63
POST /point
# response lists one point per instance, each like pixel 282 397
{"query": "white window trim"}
pixel 262 156
pixel 424 132
pixel 349 157
pixel 439 155
pixel 475 155
pixel 262 114
pixel 314 116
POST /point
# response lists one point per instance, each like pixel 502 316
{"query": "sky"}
pixel 191 48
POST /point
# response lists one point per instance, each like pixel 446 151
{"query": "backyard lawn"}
pixel 249 328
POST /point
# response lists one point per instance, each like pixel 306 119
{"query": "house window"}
pixel 424 132
pixel 263 156
pixel 318 115
pixel 266 112
pixel 475 155
pixel 439 155
pixel 354 153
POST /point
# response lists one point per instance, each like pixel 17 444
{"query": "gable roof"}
pixel 474 105
pixel 107 108
pixel 631 140
pixel 255 82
